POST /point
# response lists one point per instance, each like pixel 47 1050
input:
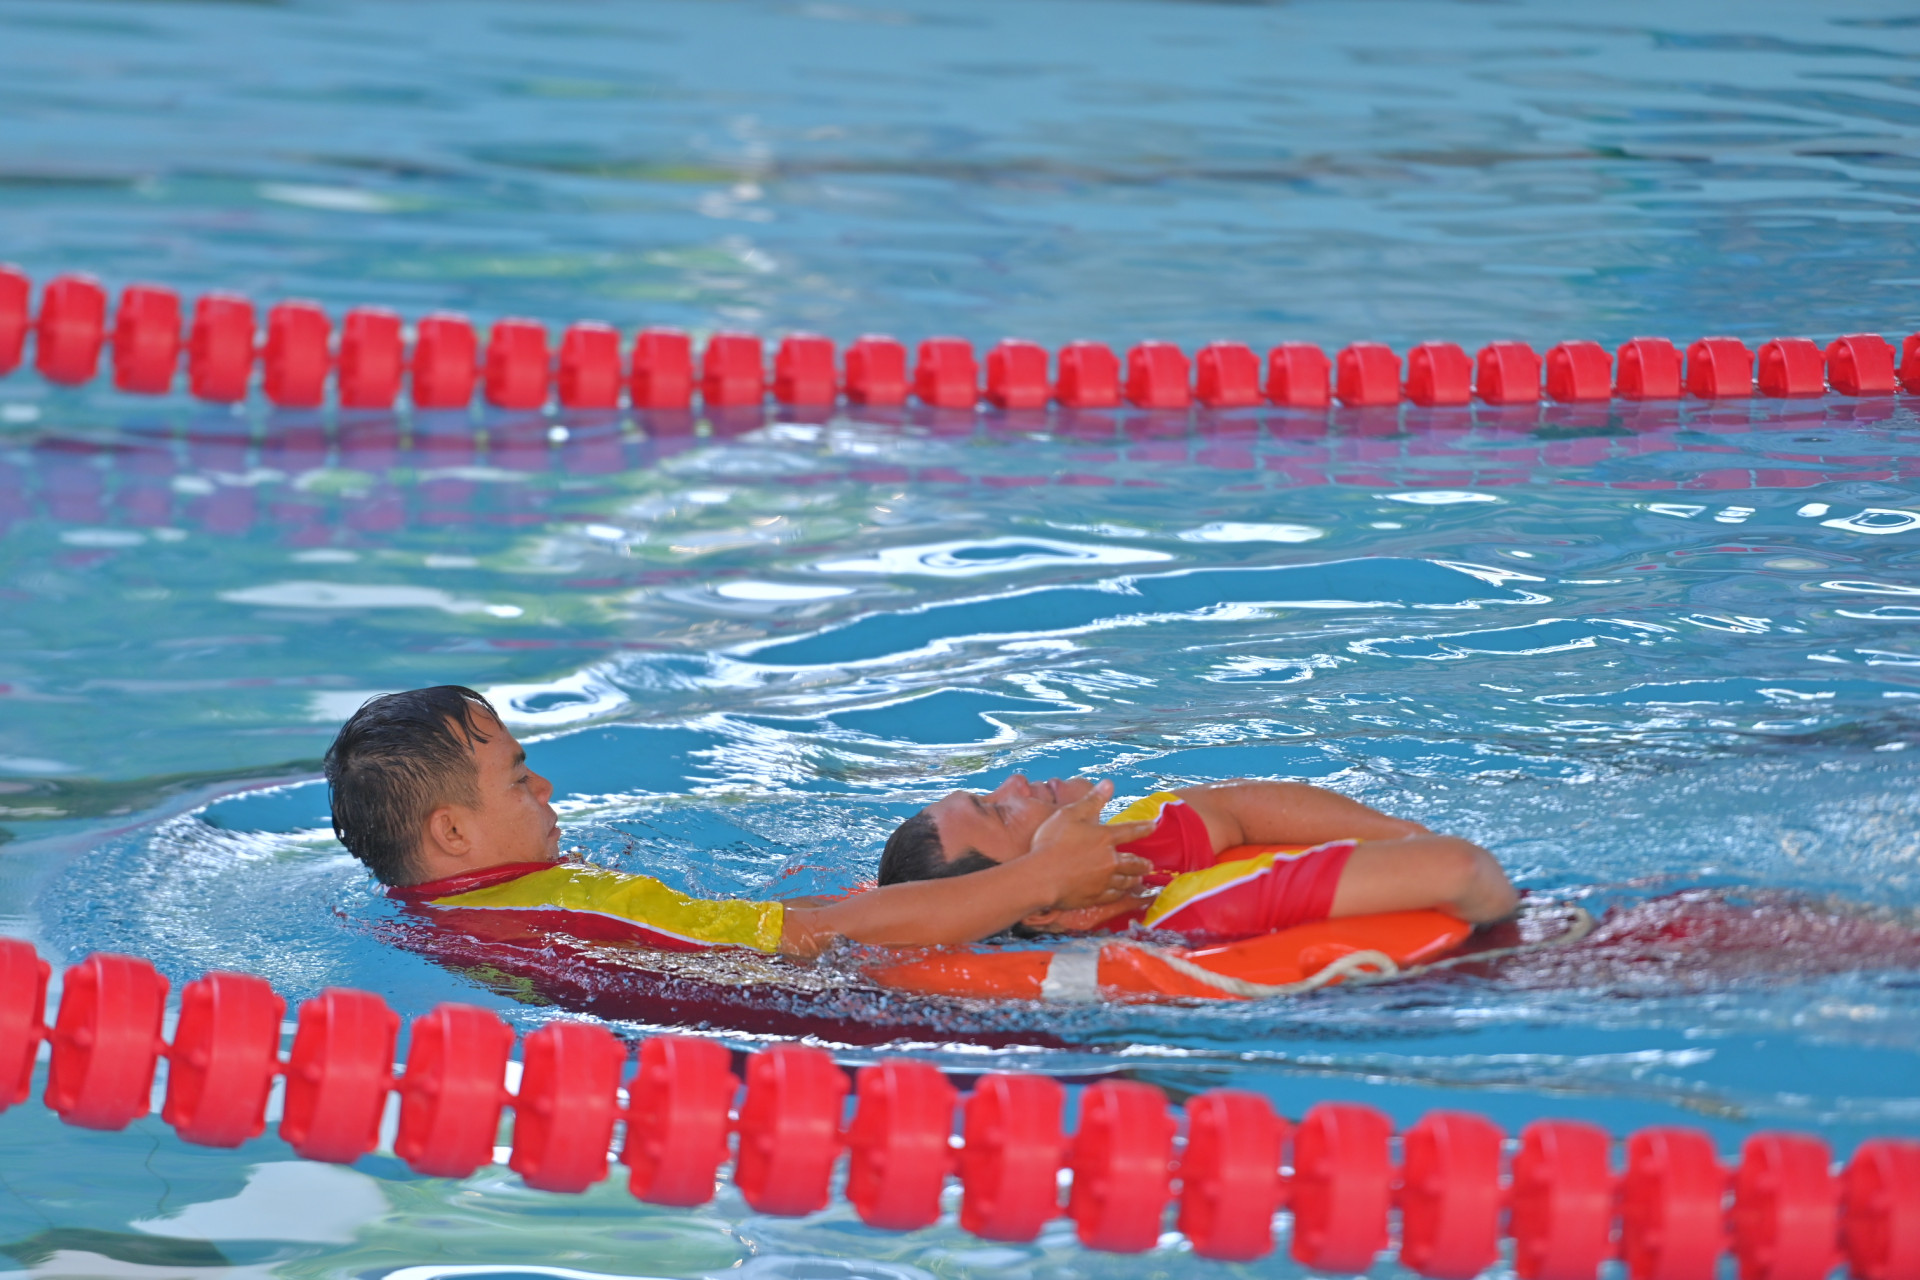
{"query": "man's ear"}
pixel 446 834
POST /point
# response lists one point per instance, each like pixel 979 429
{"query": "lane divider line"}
pixel 1782 1211
pixel 225 352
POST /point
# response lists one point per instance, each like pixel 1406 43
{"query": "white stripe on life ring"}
pixel 1073 977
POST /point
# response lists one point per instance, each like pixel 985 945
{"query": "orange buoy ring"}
pixel 1288 962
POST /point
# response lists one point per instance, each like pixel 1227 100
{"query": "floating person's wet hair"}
pixel 914 852
pixel 396 760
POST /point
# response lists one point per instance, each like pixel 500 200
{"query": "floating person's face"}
pixel 1000 823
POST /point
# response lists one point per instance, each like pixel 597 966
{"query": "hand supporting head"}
pixel 1057 821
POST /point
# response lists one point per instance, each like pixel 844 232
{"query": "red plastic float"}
pixel 452 1092
pixel 803 370
pixel 568 1100
pixel 1014 1148
pixel 1670 1206
pixel 1791 367
pixel 877 371
pixel 1227 376
pixel 589 373
pixel 1297 376
pixel 1122 1158
pixel 1450 1195
pixel 899 1151
pixel 1089 377
pixel 1579 371
pixel 945 375
pixel 1230 1175
pixel 146 339
pixel 732 370
pixel 1507 373
pixel 1367 375
pixel 1562 1201
pixel 23 1013
pixel 789 1129
pixel 1786 1209
pixel 339 1075
pixel 16 302
pixel 1342 1187
pixel 662 375
pixel 106 1043
pixel 372 359
pixel 1910 364
pixel 1649 369
pixel 1158 376
pixel 519 367
pixel 225 1054
pixel 679 1116
pixel 1880 1210
pixel 220 348
pixel 1017 375
pixel 71 327
pixel 295 361
pixel 445 362
pixel 1861 364
pixel 1439 373
pixel 1719 369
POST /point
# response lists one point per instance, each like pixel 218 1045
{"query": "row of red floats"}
pixel 1669 1215
pixel 519 370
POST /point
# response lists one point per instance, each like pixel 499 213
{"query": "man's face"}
pixel 512 821
pixel 1001 823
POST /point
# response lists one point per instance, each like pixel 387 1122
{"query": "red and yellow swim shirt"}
pixel 1255 890
pixel 594 904
pixel 1178 842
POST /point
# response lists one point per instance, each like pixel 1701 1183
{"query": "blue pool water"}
pixel 1660 659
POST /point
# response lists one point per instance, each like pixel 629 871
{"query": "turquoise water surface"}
pixel 1661 658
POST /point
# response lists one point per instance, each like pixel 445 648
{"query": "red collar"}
pixel 466 881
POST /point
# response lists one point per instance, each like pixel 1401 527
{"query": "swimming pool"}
pixel 1638 652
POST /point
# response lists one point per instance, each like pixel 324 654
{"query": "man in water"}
pixel 1336 857
pixel 433 794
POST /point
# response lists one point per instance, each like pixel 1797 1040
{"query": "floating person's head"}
pixel 428 783
pixel 969 831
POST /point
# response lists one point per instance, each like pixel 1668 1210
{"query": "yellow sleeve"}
pixel 1146 809
pixel 654 912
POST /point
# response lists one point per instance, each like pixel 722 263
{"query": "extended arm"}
pixel 923 913
pixel 1288 813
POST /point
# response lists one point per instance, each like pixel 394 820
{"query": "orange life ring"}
pixel 1271 964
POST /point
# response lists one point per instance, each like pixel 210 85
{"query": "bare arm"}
pixel 1248 812
pixel 1399 866
pixel 1443 872
pixel 1073 863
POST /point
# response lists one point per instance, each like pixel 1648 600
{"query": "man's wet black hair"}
pixel 914 852
pixel 396 760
